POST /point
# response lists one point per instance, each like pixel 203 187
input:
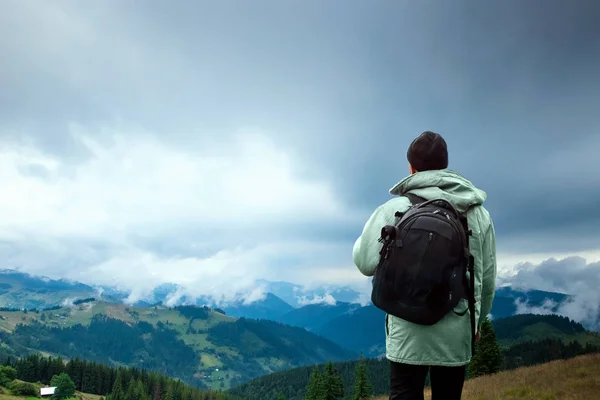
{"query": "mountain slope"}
pixel 192 343
pixel 315 316
pixel 20 290
pixel 367 325
pixel 531 327
pixel 271 307
pixel 506 301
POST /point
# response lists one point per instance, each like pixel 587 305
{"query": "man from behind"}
pixel 444 348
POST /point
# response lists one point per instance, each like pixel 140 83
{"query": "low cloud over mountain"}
pixel 573 276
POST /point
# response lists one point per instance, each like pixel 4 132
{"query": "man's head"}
pixel 427 152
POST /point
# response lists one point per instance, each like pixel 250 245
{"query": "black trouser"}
pixel 407 382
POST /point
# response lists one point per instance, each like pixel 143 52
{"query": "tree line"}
pixel 110 341
pixel 123 383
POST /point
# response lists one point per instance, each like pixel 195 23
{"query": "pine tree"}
pixel 315 390
pixel 488 356
pixel 131 390
pixel 117 392
pixel 362 387
pixel 170 394
pixel 140 390
pixel 333 385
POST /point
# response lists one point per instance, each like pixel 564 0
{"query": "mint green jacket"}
pixel 447 343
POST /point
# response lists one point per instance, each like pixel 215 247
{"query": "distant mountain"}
pixel 21 290
pixel 314 316
pixel 271 307
pixel 362 331
pixel 298 296
pixel 196 344
pixel 367 323
pixel 506 299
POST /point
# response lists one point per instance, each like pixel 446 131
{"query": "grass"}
pixel 573 379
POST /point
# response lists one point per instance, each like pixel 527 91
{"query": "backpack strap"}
pixel 471 300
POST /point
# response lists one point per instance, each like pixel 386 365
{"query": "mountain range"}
pixel 329 312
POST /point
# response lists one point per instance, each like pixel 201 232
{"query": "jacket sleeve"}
pixel 365 253
pixel 488 281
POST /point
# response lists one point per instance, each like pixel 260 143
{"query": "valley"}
pixel 199 345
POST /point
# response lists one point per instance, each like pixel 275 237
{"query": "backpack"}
pixel 422 271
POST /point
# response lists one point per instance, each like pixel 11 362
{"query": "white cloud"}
pixel 256 294
pixel 137 208
pixel 138 183
pixel 242 202
pixel 570 275
pixel 68 302
pixel 524 307
pixel 327 299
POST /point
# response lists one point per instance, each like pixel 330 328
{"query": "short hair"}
pixel 428 152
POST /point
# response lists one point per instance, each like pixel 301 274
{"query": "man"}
pixel 442 349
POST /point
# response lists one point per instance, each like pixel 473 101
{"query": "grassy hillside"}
pixel 193 343
pixel 573 379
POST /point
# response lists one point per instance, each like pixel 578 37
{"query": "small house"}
pixel 47 391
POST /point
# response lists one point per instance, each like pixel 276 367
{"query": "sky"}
pixel 211 144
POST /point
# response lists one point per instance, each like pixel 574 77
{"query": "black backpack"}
pixel 422 271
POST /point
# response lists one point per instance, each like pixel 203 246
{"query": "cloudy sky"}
pixel 214 143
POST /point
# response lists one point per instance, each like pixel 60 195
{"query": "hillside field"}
pixel 573 379
pixel 192 343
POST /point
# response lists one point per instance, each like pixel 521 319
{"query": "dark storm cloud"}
pixel 342 86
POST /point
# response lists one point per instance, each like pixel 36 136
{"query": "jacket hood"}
pixel 443 184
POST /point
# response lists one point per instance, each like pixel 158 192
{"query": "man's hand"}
pixel 477 337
